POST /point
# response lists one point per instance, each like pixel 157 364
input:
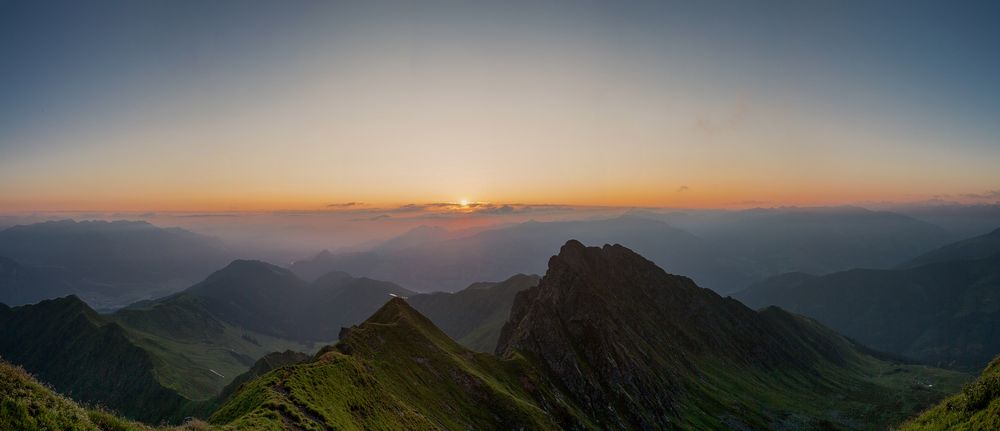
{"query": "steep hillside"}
pixel 26 405
pixel 66 344
pixel 973 248
pixel 940 313
pixel 396 371
pixel 270 361
pixel 475 315
pixel 976 407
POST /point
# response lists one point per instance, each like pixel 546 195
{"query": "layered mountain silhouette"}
pixel 942 312
pixel 24 284
pixel 452 264
pixel 110 264
pixel 606 340
pixel 977 247
pixel 812 239
pixel 722 250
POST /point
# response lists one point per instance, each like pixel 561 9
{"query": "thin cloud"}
pixel 345 204
pixel 375 218
pixel 990 194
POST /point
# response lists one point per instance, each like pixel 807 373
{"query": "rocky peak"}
pixel 619 332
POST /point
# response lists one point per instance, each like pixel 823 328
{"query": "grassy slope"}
pixel 976 407
pixel 195 344
pixel 26 405
pixel 88 358
pixel 846 389
pixel 398 372
pixel 395 372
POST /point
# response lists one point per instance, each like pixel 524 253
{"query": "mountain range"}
pixel 941 308
pixel 606 340
pixel 723 250
pixel 109 264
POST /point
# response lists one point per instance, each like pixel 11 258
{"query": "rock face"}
pixel 621 335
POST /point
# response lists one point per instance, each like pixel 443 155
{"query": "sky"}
pixel 311 105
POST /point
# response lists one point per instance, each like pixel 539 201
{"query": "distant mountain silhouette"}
pixel 973 248
pixel 494 254
pixel 722 250
pixel 110 264
pixel 24 284
pixel 814 240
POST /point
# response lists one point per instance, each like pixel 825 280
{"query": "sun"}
pixel 463 202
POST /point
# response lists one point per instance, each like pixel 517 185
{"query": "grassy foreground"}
pixel 976 408
pixel 27 405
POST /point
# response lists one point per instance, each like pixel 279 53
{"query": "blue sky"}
pixel 181 104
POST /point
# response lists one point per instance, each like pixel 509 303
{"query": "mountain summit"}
pixel 639 348
pixel 606 340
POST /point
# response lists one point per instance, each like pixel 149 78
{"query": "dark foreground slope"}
pixel 473 316
pixel 69 346
pixel 607 340
pixel 942 313
pixel 976 407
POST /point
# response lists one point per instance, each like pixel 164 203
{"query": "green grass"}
pixel 398 372
pixel 976 407
pixel 187 344
pixel 868 394
pixel 401 373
